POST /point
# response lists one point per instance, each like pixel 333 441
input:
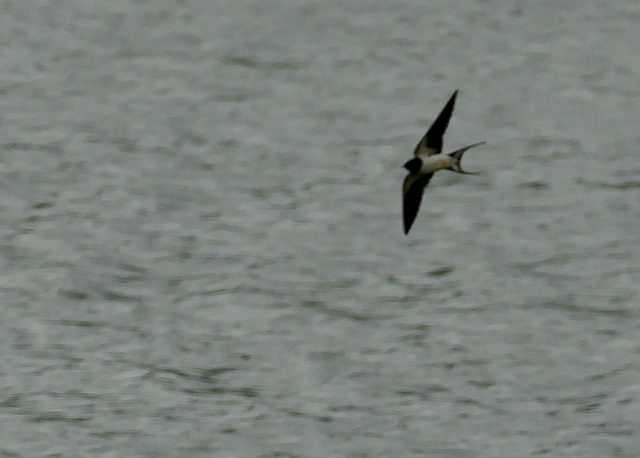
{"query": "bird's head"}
pixel 413 165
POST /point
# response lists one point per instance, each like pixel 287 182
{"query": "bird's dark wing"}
pixel 431 143
pixel 412 196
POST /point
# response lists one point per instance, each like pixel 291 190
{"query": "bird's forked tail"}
pixel 457 158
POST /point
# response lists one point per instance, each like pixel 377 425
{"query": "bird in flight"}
pixel 428 159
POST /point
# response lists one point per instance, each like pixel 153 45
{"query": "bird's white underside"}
pixel 434 163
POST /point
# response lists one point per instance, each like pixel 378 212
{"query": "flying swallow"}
pixel 427 161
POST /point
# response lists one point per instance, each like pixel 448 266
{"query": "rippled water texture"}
pixel 201 240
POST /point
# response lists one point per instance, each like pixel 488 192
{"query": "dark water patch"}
pixel 441 272
pixel 344 313
pixel 119 296
pixel 231 96
pixel 423 392
pixel 252 63
pixel 84 323
pixel 246 392
pixel 114 434
pixel 610 374
pixel 315 417
pixel 43 205
pixel 482 383
pixel 575 306
pixel 280 455
pixel 622 271
pixel 605 185
pixel 465 401
pixel 206 381
pixel 537 185
pixel 627 172
pixel 18 146
pixel 57 417
pixel 201 375
pixel 617 429
pixel 74 294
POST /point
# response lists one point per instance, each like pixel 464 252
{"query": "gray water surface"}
pixel 201 240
